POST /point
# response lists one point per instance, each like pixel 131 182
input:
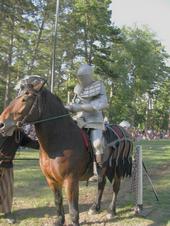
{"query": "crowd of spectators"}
pixel 137 134
pixel 149 134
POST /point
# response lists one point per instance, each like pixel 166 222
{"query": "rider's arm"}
pixel 98 103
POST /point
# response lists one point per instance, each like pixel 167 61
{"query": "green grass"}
pixel 156 156
pixel 34 204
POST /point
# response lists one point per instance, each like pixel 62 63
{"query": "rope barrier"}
pixel 2 159
pixel 26 159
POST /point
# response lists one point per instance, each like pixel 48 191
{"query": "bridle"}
pixel 19 124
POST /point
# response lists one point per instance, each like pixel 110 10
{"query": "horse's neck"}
pixel 51 105
pixel 53 130
pixel 53 126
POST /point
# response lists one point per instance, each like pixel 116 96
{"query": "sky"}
pixel 153 13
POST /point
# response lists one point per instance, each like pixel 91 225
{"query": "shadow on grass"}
pixel 38 212
pixel 122 215
pixel 43 212
pixel 50 212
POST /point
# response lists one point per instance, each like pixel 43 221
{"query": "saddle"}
pixel 121 148
pixel 114 134
pixel 119 161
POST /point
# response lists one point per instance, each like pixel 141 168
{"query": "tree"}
pixel 140 61
pixel 131 61
pixel 12 25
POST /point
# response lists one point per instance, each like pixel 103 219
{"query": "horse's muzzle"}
pixel 7 127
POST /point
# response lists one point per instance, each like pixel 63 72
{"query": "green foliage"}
pixel 139 72
pixel 131 61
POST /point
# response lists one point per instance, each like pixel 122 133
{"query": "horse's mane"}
pixel 59 134
pixel 51 103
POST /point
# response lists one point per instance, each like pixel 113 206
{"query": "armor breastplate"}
pixel 91 91
pixel 95 95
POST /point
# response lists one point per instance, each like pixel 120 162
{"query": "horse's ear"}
pixel 39 84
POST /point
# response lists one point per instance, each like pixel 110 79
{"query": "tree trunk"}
pixel 8 65
pixel 37 45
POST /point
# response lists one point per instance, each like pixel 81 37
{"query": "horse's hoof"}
pixel 72 224
pixel 58 224
pixel 94 209
pixel 110 216
pixel 92 212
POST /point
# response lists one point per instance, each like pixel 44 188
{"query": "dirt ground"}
pixel 87 196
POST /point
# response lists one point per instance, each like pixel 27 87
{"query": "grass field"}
pixel 34 205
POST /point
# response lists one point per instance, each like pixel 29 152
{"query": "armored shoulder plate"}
pixel 92 90
pixel 78 89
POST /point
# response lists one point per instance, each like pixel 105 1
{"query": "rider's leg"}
pixel 94 178
pixel 97 143
pixel 96 137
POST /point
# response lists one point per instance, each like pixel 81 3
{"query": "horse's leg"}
pixel 112 206
pixel 95 208
pixel 58 199
pixel 72 192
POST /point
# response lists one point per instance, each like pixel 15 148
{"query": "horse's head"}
pixel 23 109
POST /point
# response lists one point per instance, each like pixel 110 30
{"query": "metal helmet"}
pixel 35 81
pixel 84 74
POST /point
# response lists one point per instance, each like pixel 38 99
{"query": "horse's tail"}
pixel 121 147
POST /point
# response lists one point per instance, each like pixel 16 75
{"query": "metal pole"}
pixel 54 46
pixel 139 210
pixel 139 180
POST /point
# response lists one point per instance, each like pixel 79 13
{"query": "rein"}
pixel 49 119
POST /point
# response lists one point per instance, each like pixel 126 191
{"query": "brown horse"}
pixel 64 159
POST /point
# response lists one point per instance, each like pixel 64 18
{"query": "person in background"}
pixel 8 148
pixel 89 102
pixel 129 129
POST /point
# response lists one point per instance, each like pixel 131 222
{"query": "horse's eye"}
pixel 24 100
pixel 27 92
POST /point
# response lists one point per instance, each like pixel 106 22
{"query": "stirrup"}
pixel 94 178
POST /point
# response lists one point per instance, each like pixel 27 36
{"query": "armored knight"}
pixel 89 101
